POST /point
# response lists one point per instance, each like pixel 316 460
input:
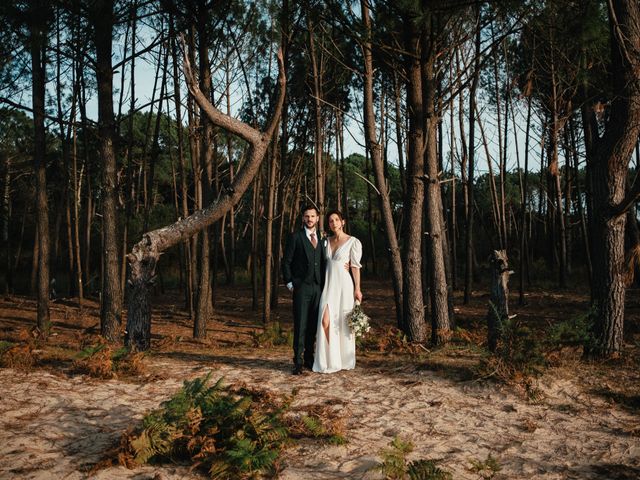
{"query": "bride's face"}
pixel 336 224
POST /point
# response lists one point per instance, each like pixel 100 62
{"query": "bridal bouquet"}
pixel 358 321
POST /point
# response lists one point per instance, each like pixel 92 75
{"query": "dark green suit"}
pixel 304 266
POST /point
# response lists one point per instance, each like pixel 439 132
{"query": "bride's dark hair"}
pixel 333 212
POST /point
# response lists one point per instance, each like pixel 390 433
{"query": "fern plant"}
pixel 226 434
pixel 427 470
pixel 394 464
pixel 394 459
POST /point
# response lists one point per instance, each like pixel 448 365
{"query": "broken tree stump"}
pixel 499 303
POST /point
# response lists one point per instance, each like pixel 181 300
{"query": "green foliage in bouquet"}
pixel 358 321
pixel 219 431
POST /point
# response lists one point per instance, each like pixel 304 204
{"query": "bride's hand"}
pixel 358 295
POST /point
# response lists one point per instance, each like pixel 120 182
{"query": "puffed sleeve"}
pixel 355 255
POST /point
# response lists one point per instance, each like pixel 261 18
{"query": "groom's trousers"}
pixel 306 299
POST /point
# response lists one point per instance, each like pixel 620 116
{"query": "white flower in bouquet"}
pixel 358 321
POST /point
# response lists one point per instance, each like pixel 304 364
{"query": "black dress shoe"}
pixel 308 366
pixel 297 370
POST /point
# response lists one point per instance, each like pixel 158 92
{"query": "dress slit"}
pixel 327 332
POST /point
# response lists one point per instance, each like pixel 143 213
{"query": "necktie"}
pixel 314 241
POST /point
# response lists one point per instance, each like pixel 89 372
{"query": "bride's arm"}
pixel 357 293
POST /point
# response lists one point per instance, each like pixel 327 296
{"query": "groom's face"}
pixel 310 218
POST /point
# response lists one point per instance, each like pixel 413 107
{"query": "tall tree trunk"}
pixel 468 267
pixel 609 157
pixel 413 301
pixel 440 320
pixel 82 104
pixel 38 49
pixel 129 172
pixel 111 306
pixel 372 241
pixel 316 69
pixel 524 199
pixel 184 192
pixel 255 227
pixel 378 168
pixel 554 169
pixel 397 97
pixel 231 278
pixel 204 306
pixel 76 214
pixel 5 216
pixel 273 174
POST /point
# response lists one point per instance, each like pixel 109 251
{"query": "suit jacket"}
pixel 300 261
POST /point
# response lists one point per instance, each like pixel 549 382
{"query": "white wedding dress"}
pixel 339 353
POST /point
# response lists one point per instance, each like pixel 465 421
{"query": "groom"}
pixel 303 268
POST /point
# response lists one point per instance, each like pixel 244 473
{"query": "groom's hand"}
pixel 290 286
pixel 347 266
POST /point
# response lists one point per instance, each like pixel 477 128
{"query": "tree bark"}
pixel 5 216
pixel 378 168
pixel 318 138
pixel 437 241
pixel 37 42
pixel 273 173
pixel 609 157
pixel 111 307
pixel 499 304
pixel 413 301
pixel 468 268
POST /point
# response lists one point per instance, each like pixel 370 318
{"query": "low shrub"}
pixel 221 432
pixel 394 465
pixel 102 361
pixel 318 421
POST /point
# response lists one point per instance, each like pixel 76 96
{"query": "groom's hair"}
pixel 310 207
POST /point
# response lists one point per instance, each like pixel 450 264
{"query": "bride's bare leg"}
pixel 326 321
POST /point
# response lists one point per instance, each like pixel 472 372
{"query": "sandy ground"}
pixel 58 426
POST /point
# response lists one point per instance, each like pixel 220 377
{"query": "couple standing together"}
pixel 317 271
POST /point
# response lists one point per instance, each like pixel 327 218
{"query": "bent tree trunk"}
pixel 145 254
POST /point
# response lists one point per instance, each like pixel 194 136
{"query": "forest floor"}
pixel 576 420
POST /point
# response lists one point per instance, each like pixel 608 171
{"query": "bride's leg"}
pixel 326 322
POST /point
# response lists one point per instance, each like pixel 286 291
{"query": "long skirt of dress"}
pixel 339 352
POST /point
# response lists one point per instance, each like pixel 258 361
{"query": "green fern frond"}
pixel 314 426
pixel 427 470
pixel 155 441
pixel 220 470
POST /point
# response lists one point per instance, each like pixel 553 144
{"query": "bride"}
pixel 335 343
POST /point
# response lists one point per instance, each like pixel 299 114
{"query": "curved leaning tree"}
pixel 145 254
